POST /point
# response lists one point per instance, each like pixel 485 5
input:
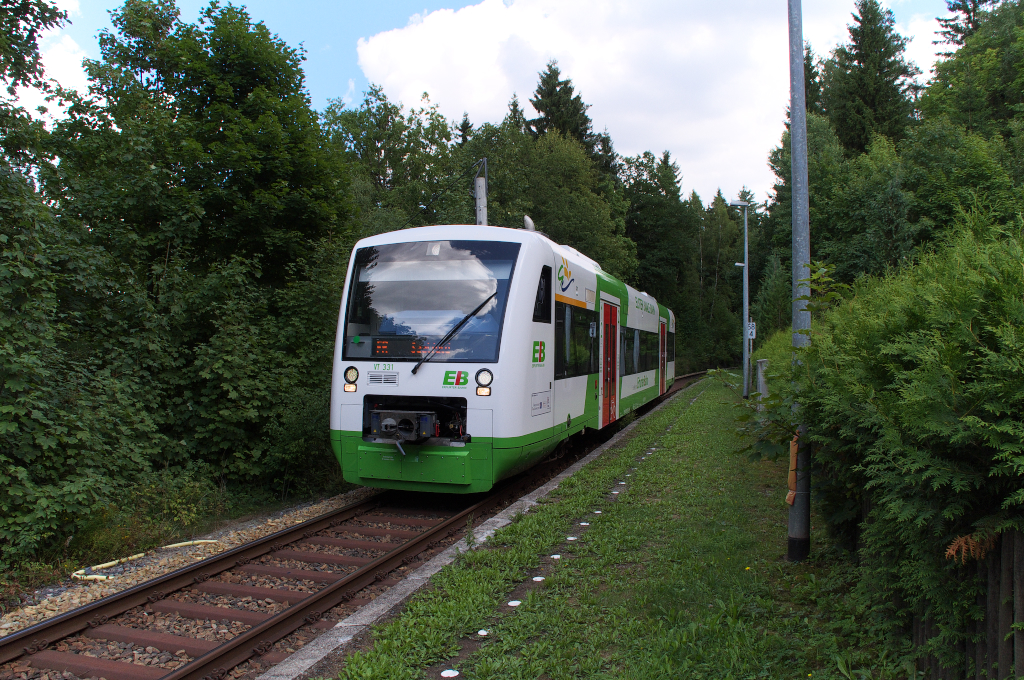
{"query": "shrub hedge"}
pixel 912 391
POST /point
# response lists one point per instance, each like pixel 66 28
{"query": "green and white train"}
pixel 464 354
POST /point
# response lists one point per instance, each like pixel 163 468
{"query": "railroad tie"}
pixel 88 666
pixel 320 558
pixel 204 612
pixel 350 543
pixel 237 590
pixel 165 642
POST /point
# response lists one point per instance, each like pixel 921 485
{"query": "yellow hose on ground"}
pixel 84 576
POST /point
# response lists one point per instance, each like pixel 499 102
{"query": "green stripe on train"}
pixel 472 468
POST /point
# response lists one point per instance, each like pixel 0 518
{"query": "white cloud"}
pixel 70 6
pixel 62 62
pixel 922 51
pixel 707 81
pixel 350 94
pixel 62 59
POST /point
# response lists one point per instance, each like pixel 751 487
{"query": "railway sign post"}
pixel 799 545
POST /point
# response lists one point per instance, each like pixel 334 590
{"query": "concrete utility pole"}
pixel 800 512
pixel 746 302
pixel 480 193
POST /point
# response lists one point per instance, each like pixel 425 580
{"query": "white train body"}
pixel 565 346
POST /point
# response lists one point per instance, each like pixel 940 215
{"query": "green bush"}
pixel 161 507
pixel 913 395
pixel 777 348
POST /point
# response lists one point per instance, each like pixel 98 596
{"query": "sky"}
pixel 706 81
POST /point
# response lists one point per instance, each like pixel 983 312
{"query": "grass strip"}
pixel 681 576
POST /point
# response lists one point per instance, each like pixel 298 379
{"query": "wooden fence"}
pixel 999 650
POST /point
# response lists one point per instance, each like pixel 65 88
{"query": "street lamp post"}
pixel 746 301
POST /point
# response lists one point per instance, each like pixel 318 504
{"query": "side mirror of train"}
pixel 593 329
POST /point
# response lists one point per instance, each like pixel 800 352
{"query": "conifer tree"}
pixel 465 129
pixel 868 84
pixel 516 118
pixel 560 108
pixel 812 80
pixel 667 174
pixel 967 17
pixel 603 153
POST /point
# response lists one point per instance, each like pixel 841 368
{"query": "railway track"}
pixel 247 604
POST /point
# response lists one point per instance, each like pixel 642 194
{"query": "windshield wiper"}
pixel 451 334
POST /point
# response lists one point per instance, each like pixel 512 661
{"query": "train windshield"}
pixel 405 297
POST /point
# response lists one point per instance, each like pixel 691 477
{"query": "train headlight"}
pixel 483 391
pixel 351 374
pixel 350 387
pixel 484 378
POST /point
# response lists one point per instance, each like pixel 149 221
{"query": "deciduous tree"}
pixel 21 22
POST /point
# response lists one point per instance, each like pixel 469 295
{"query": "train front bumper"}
pixel 469 468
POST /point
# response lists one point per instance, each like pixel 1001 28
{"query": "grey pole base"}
pixel 798 549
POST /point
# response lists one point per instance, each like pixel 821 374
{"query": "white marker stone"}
pixel 597 512
pixel 449 674
pixel 556 557
pixel 570 538
pixel 538 579
pixel 514 603
pixel 615 492
pixel 482 633
pixel 584 524
pixel 621 482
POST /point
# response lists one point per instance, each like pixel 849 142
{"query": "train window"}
pixel 650 351
pixel 405 297
pixel 542 305
pixel 671 349
pixel 638 351
pixel 627 366
pixel 575 345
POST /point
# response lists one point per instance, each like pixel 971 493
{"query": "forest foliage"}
pixel 912 388
pixel 174 248
pixel 175 244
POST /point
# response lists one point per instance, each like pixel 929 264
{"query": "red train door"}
pixel 662 358
pixel 611 361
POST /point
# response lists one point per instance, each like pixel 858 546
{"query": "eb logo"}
pixel 538 352
pixel 456 378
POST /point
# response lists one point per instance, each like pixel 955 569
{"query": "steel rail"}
pixel 35 638
pixel 259 640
